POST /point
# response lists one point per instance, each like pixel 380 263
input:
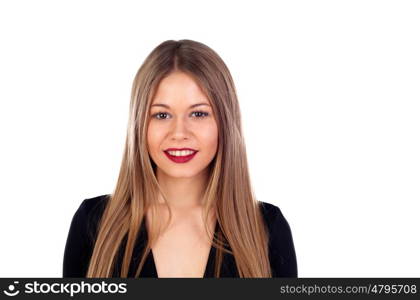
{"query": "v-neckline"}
pixel 209 257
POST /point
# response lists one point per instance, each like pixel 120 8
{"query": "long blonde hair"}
pixel 229 189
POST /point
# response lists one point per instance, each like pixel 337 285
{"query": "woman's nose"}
pixel 180 128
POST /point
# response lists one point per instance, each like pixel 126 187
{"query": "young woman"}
pixel 183 205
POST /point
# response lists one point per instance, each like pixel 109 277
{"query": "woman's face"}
pixel 181 117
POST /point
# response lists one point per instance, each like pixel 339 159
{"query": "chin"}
pixel 176 172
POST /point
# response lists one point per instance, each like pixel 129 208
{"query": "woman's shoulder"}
pixel 281 245
pixel 89 214
pixel 275 221
pixel 91 205
pixel 81 236
pixel 271 213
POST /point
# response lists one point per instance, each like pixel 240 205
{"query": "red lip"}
pixel 181 159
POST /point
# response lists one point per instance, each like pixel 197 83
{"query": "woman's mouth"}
pixel 182 156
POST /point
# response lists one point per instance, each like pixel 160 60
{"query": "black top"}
pixel 81 237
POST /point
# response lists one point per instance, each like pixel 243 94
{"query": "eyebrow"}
pixel 167 106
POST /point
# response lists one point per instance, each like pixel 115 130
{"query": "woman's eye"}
pixel 201 114
pixel 159 115
pixel 198 114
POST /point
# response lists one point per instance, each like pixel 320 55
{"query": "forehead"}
pixel 179 88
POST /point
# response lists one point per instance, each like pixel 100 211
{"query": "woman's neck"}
pixel 183 193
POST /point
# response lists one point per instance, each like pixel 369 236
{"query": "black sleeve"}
pixel 282 250
pixel 78 250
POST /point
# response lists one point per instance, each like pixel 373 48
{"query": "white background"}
pixel 330 97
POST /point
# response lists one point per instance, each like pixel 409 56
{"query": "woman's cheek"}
pixel 153 138
pixel 211 134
